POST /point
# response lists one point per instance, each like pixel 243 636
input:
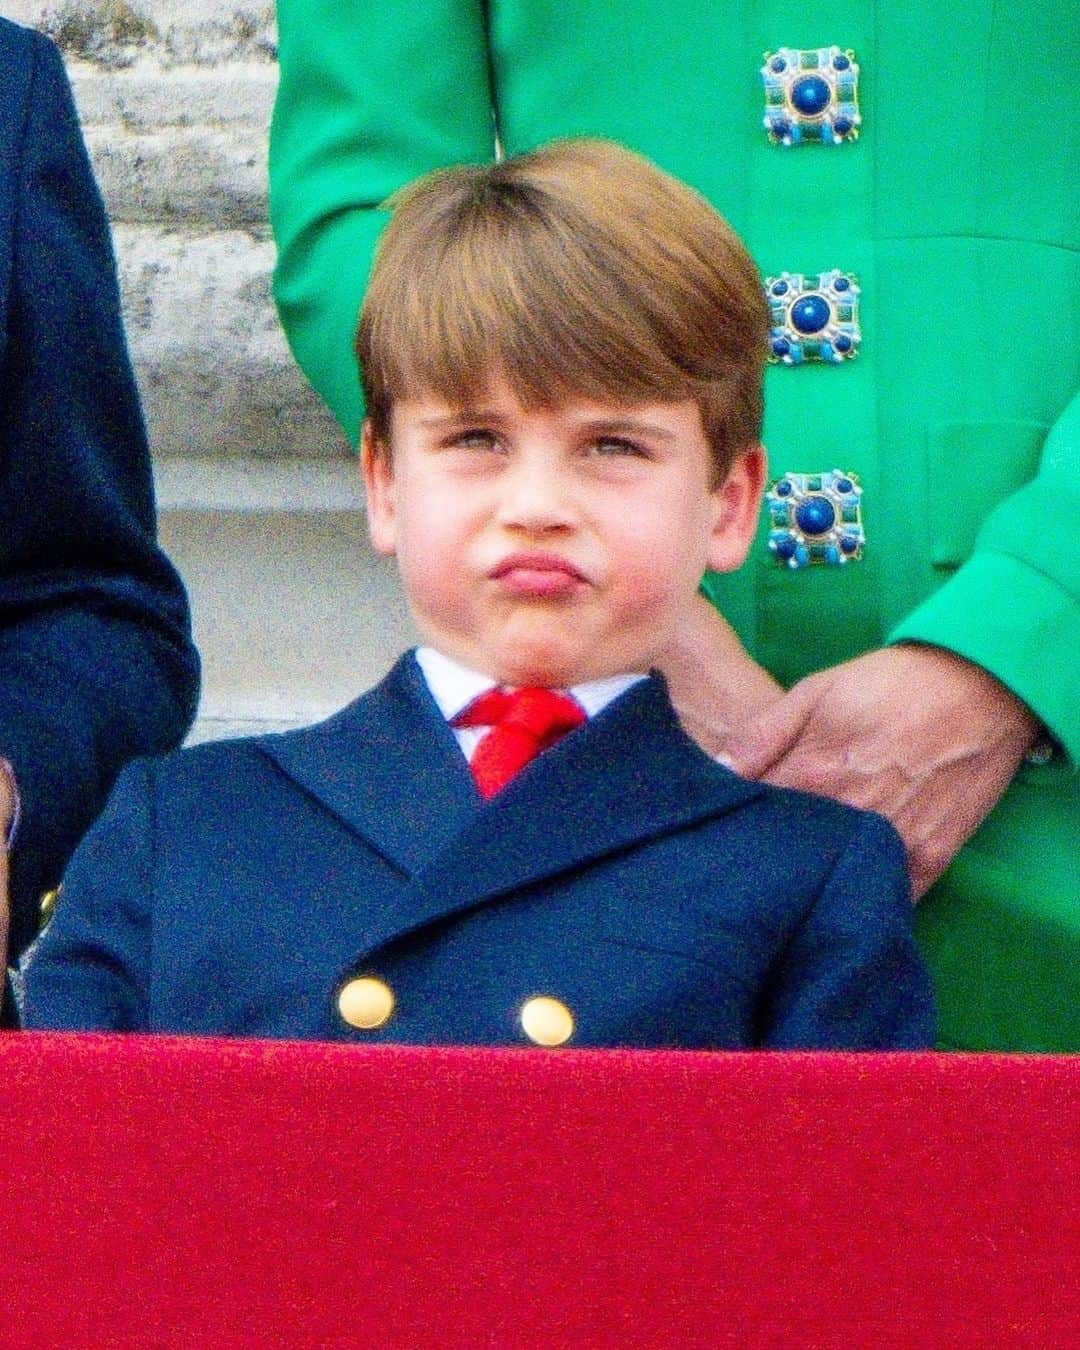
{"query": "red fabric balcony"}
pixel 166 1192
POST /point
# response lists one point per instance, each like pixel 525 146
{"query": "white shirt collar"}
pixel 454 686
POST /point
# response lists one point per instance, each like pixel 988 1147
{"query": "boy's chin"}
pixel 543 655
pixel 544 668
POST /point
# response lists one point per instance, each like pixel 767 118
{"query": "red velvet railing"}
pixel 167 1192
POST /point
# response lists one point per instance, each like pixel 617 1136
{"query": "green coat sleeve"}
pixel 1013 606
pixel 371 95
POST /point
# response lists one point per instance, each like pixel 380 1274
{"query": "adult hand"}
pixel 915 733
pixel 714 683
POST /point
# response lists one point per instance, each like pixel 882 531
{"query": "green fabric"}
pixel 1001 939
pixel 956 208
pixel 371 96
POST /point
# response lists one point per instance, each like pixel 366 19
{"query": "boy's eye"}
pixel 611 446
pixel 473 438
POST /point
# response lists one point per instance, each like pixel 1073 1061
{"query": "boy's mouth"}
pixel 539 575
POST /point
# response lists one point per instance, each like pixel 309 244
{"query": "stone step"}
pixel 214 369
pixel 294 614
pixel 206 176
pixel 150 94
pixel 116 33
pixel 245 484
pixel 179 144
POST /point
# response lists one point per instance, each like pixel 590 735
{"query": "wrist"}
pixel 1014 720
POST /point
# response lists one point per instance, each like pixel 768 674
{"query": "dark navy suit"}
pixel 235 887
pixel 96 662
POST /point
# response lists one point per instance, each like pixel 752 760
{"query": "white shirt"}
pixel 453 687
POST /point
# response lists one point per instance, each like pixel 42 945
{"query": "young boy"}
pixel 562 361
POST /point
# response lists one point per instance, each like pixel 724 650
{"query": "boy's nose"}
pixel 535 497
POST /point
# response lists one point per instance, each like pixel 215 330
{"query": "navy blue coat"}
pixel 96 661
pixel 235 887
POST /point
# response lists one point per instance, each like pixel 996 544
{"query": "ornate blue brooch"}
pixel 815 518
pixel 811 96
pixel 814 317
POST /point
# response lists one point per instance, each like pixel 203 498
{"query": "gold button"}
pixel 366 1003
pixel 546 1021
pixel 47 906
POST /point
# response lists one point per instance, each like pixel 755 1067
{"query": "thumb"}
pixel 762 741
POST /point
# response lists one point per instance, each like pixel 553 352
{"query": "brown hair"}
pixel 579 269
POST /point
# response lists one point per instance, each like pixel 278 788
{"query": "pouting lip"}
pixel 535 562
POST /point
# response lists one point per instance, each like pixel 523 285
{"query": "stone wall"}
pixel 175 98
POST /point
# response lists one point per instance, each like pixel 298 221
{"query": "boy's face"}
pixel 550 548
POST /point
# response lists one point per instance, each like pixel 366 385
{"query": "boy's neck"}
pixel 454 686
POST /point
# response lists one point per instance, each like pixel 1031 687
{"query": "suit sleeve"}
pixel 851 977
pixel 96 661
pixel 371 95
pixel 1013 607
pixel 89 970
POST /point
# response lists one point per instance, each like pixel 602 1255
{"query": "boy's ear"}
pixel 378 470
pixel 737 506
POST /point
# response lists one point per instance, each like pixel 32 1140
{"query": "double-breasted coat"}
pixel 649 896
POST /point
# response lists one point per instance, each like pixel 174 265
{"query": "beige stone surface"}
pixel 207 177
pixel 213 366
pixel 114 33
pixel 294 615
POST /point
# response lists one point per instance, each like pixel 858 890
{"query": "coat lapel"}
pixel 389 767
pixel 629 775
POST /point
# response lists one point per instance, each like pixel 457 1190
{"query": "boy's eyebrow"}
pixel 461 415
pixel 628 426
pixel 612 425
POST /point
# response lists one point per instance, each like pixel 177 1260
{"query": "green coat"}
pixel 955 210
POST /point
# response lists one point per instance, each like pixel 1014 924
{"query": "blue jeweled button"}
pixel 824 526
pixel 810 95
pixel 810 314
pixel 815 515
pixel 813 317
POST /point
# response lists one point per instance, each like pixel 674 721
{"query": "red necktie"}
pixel 523 722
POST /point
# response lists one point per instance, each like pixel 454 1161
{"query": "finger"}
pixel 921 881
pixel 755 747
pixel 711 735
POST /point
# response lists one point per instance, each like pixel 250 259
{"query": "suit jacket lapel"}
pixel 389 767
pixel 630 775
